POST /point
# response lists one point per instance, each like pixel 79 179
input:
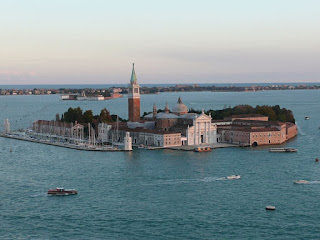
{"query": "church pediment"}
pixel 203 117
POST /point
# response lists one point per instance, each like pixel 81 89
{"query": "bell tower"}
pixel 134 98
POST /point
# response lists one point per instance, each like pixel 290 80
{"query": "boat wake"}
pixel 314 182
pixel 212 179
pixel 306 182
pixel 186 181
pixel 300 131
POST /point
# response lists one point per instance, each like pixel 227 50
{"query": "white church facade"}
pixel 202 131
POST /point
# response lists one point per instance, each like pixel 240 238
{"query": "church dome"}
pixel 180 108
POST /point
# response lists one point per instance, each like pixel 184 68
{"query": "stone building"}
pixel 104 131
pixel 254 133
pixel 52 127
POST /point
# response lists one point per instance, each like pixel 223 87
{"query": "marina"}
pixel 82 146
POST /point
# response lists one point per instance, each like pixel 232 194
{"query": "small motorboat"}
pixel 301 182
pixel 62 192
pixel 150 148
pixel 306 118
pixel 272 208
pixel 283 150
pixel 202 149
pixel 233 177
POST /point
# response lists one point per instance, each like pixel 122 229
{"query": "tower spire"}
pixel 133 79
pixel 166 109
pixel 154 110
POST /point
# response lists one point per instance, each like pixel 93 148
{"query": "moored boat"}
pixel 202 149
pixel 62 192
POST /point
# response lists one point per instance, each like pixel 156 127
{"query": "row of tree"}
pixel 275 113
pixel 76 114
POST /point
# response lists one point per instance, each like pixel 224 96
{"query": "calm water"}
pixel 160 194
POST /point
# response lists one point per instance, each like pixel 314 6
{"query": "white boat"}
pixel 283 150
pixel 150 148
pixel 306 118
pixel 270 207
pixel 301 182
pixel 233 177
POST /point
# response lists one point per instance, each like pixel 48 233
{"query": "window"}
pixel 136 90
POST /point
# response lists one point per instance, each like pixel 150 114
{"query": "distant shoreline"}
pixel 108 91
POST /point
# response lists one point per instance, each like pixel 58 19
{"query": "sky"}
pixel 170 41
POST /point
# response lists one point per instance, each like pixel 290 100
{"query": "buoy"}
pixel 270 208
pixel 316 160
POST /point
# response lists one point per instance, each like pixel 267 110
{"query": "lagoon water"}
pixel 160 194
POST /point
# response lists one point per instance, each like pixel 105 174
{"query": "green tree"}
pixel 88 116
pixel 266 111
pixel 73 114
pixel 105 116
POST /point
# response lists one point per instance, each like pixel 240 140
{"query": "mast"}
pixel 89 133
pixel 117 128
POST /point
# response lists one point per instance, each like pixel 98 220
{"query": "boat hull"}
pixel 301 182
pixel 202 149
pixel 62 192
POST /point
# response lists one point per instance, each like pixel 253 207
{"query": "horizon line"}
pixel 158 83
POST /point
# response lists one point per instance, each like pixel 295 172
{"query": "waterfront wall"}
pixel 291 131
